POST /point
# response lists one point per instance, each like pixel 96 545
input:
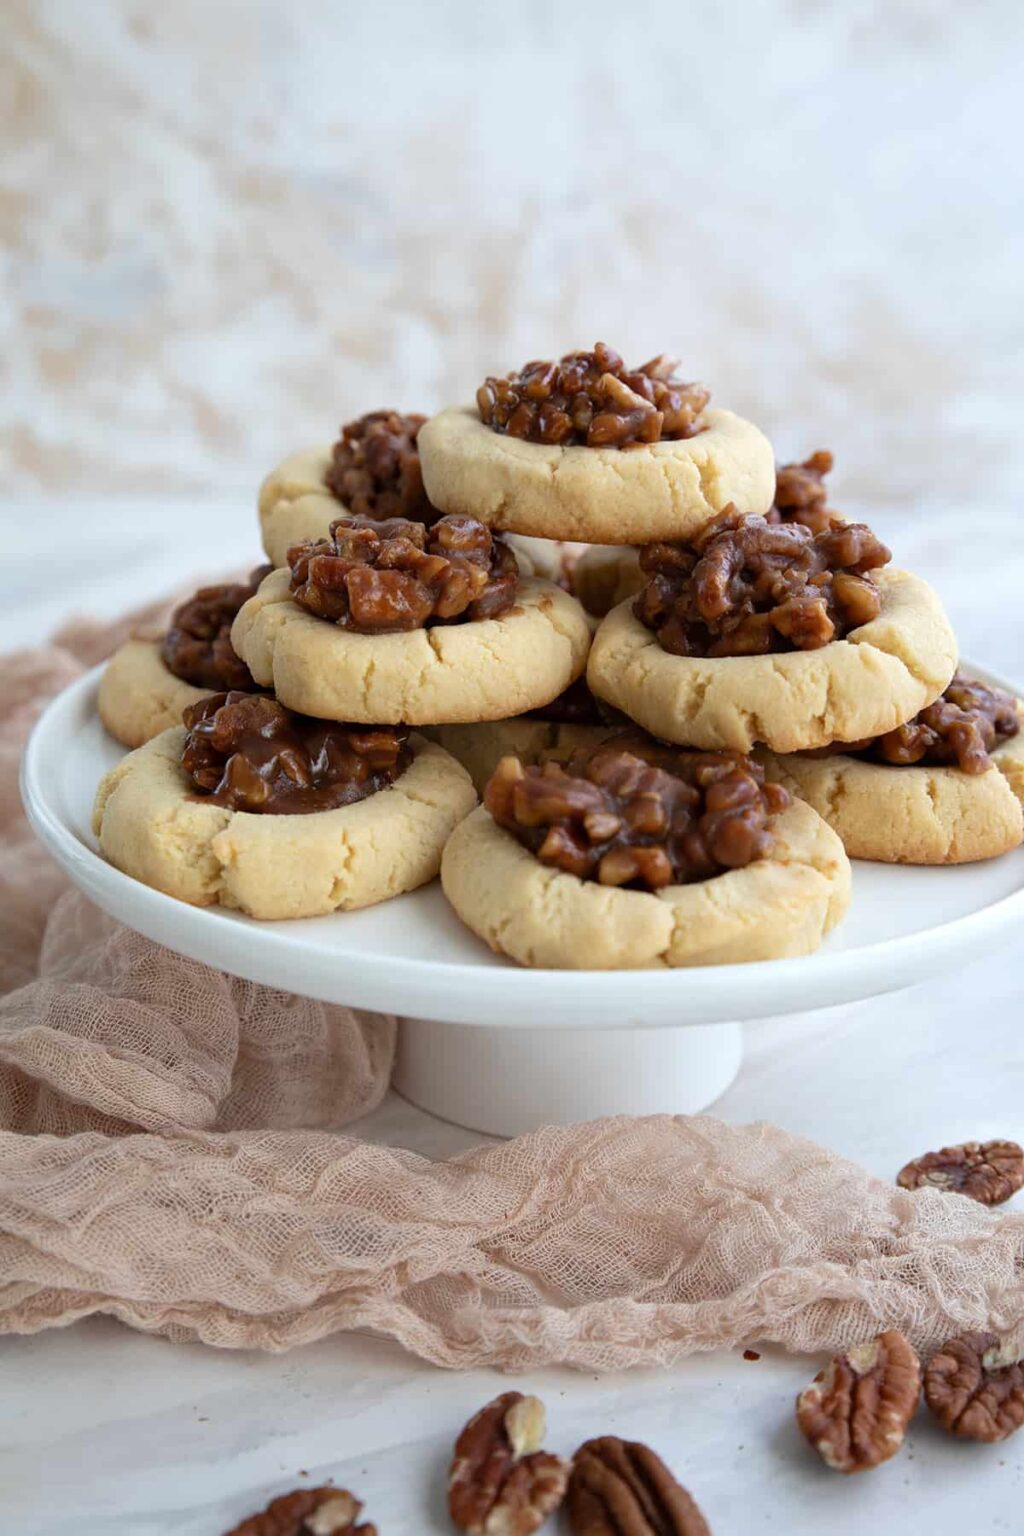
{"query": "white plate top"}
pixel 413 956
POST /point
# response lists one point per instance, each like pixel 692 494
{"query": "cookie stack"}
pixel 279 772
pixel 745 617
pixel 684 686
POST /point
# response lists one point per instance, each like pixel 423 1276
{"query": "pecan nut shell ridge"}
pixel 856 1411
pixel 623 1488
pixel 500 1482
pixel 974 1386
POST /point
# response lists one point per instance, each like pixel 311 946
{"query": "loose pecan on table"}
pixel 974 1386
pixel 635 813
pixel 621 1488
pixel 246 751
pixel 592 398
pixel 308 1512
pixel 856 1411
pixel 501 1483
pixel 393 575
pixel 800 494
pixel 375 468
pixel 987 1171
pixel 744 587
pixel 197 646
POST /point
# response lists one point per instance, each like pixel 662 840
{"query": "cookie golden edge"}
pixel 139 696
pixel 445 674
pixel 538 916
pixel 480 748
pixel 295 505
pixel 663 490
pixel 272 867
pixel 915 814
pixel 880 675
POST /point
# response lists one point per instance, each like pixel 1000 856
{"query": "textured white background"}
pixel 226 228
pixel 229 226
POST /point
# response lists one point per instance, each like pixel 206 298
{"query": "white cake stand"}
pixel 500 1049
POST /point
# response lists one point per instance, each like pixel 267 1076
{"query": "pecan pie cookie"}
pixel 257 808
pixel 634 855
pixel 373 470
pixel 944 788
pixel 147 683
pixel 769 632
pixel 587 449
pixel 551 734
pixel 388 622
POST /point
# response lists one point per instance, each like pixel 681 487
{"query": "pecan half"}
pixel 987 1171
pixel 501 1483
pixel 622 1488
pixel 307 1512
pixel 974 1386
pixel 856 1411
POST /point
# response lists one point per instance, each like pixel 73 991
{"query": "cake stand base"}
pixel 507 1081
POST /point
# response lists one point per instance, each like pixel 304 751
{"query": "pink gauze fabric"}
pixel 171 1154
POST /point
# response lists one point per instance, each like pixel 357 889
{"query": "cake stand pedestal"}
pixel 506 1081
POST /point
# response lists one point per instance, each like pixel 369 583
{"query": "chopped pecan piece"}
pixel 856 1411
pixel 501 1483
pixel 631 812
pixel 621 1488
pixel 197 646
pixel 375 468
pixel 987 1171
pixel 308 1512
pixel 593 399
pixel 975 1387
pixel 384 577
pixel 800 494
pixel 745 586
pixel 248 752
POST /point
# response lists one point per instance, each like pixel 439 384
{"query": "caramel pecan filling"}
pixel 801 496
pixel 197 646
pixel 634 813
pixel 380 577
pixel 959 730
pixel 248 752
pixel 375 468
pixel 745 586
pixel 592 398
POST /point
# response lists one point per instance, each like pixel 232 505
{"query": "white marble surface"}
pixel 133 1436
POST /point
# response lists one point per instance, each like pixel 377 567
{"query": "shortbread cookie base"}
pixel 913 815
pixel 487 670
pixel 543 917
pixel 480 748
pixel 542 557
pixel 139 697
pixel 880 675
pixel 277 866
pixel 295 505
pixel 664 490
pixel 605 576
